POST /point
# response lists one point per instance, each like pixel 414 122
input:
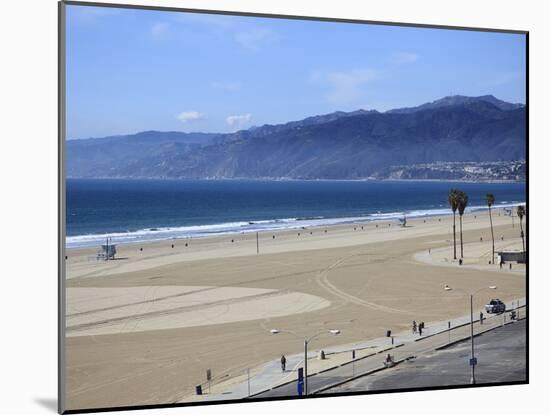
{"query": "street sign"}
pixel 473 361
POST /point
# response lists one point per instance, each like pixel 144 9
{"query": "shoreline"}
pixel 201 231
pixel 148 254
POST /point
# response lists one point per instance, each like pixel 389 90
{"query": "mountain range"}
pixel 340 145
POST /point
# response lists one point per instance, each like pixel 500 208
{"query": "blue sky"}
pixel 135 70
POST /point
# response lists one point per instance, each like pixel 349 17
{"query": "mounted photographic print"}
pixel 256 207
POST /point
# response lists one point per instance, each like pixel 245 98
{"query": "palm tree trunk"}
pixel 522 235
pixel 492 236
pixel 454 234
pixel 461 244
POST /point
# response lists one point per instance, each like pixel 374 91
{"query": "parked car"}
pixel 495 306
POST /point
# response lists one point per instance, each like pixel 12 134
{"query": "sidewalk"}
pixel 269 380
pixel 501 355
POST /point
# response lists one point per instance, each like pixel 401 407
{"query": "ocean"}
pixel 132 211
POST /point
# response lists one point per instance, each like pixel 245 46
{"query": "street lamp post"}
pixel 473 360
pixel 306 343
pixel 305 366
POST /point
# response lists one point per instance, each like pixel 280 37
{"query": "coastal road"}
pixel 422 349
pixel 501 355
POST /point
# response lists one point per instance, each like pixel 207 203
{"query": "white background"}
pixel 28 203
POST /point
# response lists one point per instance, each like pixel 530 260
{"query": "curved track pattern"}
pixel 175 310
pixel 323 281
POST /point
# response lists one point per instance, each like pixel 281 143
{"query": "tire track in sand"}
pixel 176 310
pixel 323 281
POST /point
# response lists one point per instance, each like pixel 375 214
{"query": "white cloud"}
pixel 212 20
pixel 345 87
pixel 253 38
pixel 226 86
pixel 238 121
pixel 246 33
pixel 402 58
pixel 188 116
pixel 160 30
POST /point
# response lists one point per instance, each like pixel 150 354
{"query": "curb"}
pixel 325 388
pixel 358 359
pixel 466 324
pixel 330 368
pixel 477 334
pixel 370 372
pixel 382 351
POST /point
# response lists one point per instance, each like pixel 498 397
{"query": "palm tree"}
pixel 462 203
pixel 453 203
pixel 521 214
pixel 490 199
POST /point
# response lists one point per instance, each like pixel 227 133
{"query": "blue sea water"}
pixel 131 211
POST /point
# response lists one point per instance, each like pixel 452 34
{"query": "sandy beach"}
pixel 144 328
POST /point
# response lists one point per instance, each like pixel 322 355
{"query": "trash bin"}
pixel 300 388
pixel 198 390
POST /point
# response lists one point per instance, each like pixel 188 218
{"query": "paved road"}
pixel 501 355
pixel 318 382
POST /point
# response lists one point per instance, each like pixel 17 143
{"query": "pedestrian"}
pixel 283 363
pixel 510 265
pixel 481 317
pixel 420 329
pixel 422 324
pixel 414 326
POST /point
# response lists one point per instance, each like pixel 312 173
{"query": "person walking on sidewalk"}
pixel 283 363
pixel 414 326
pixel 420 329
pixel 481 317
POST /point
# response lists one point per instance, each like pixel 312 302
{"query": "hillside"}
pixel 340 145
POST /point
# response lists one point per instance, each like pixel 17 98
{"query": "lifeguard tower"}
pixel 107 251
